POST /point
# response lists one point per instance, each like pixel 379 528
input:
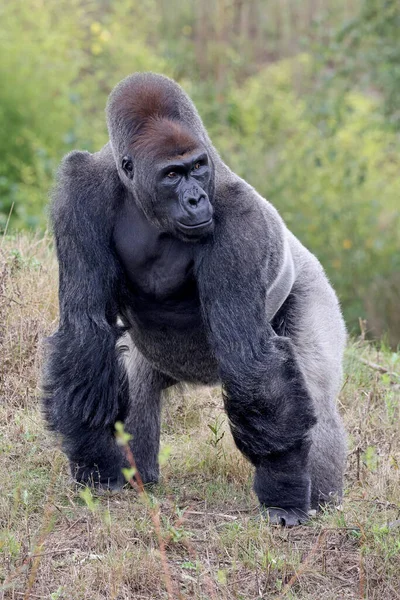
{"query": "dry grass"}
pixel 56 544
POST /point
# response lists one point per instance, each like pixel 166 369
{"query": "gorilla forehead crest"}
pixel 144 118
pixel 164 138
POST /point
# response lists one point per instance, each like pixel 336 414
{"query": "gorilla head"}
pixel 161 162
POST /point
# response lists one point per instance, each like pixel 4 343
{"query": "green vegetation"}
pixel 59 542
pixel 301 98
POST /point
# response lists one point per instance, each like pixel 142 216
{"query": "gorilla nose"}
pixel 193 201
pixel 197 207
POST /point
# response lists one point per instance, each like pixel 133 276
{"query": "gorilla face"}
pixel 182 188
pixel 177 198
pixel 171 177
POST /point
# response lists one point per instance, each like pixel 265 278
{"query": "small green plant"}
pixel 129 473
pixel 176 533
pixel 8 544
pixel 370 458
pixel 164 454
pixel 189 565
pixel 217 434
pixel 121 435
pixel 222 577
pixel 87 497
pixel 392 406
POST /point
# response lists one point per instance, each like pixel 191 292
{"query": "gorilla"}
pixel 174 269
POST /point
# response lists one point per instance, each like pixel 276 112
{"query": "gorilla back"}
pixel 155 232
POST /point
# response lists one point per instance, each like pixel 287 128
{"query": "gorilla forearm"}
pixel 83 378
pixel 263 383
pixel 271 415
pixel 267 401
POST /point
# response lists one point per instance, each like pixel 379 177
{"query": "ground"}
pixel 198 535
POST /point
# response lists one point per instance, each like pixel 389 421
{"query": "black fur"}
pixel 174 269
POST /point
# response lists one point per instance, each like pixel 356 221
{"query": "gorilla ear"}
pixel 127 166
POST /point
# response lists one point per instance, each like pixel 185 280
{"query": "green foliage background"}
pixel 301 98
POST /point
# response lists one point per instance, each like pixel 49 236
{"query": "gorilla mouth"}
pixel 195 225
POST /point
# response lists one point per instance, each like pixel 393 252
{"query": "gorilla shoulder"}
pixel 81 175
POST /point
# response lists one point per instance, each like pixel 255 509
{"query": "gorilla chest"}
pixel 158 267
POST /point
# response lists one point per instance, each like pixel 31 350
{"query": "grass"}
pixel 59 543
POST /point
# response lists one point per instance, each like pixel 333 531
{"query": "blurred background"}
pixel 301 98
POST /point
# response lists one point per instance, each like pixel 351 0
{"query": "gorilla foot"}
pixel 289 517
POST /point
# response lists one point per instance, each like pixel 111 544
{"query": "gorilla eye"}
pixel 197 166
pixel 127 164
pixel 171 174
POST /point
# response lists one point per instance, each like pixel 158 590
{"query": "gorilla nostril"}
pixel 192 202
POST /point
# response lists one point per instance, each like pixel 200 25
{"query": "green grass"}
pixel 56 544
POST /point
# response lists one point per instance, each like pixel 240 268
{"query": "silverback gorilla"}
pixel 172 268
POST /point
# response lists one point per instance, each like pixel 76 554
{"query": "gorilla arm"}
pixel 243 278
pixel 83 381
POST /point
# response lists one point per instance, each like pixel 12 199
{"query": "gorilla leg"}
pixel 323 372
pixel 327 461
pixel 144 413
pixel 319 343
